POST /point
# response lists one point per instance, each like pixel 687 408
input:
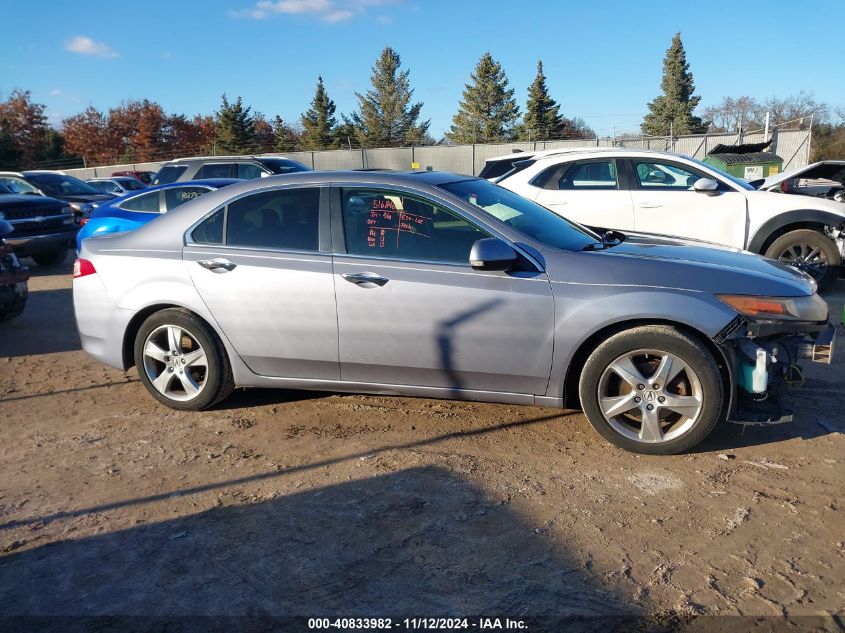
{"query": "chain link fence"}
pixel 791 145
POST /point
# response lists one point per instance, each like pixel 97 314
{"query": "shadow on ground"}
pixel 46 326
pixel 417 542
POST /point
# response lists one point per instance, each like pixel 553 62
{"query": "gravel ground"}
pixel 302 503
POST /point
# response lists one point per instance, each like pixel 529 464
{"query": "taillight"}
pixel 82 267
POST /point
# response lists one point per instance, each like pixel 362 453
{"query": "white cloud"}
pixel 86 46
pixel 55 92
pixel 331 11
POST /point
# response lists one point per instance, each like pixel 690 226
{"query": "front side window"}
pixel 180 195
pixel 287 219
pixel 380 223
pixel 591 175
pixel 662 176
pixel 214 170
pixel 147 203
pixel 168 174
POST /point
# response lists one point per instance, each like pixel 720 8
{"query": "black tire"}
pixel 51 258
pixel 15 308
pixel 217 381
pixel 682 346
pixel 802 240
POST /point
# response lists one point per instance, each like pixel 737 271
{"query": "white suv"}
pixel 670 194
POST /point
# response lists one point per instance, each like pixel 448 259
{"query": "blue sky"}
pixel 603 59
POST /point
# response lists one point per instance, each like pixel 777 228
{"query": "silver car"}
pixel 440 285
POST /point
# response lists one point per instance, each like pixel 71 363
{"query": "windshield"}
pixel 522 214
pixel 284 165
pixel 61 185
pixel 737 181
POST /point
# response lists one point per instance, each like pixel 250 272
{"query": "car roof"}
pixel 525 155
pixel 213 159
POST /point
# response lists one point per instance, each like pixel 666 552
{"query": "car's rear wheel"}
pixel 811 251
pixel 51 258
pixel 652 389
pixel 181 361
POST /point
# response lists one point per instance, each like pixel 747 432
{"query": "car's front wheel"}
pixel 181 361
pixel 811 251
pixel 652 389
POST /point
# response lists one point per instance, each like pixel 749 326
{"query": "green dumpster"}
pixel 748 161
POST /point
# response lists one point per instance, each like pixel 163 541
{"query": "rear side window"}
pixel 214 170
pixel 287 219
pixel 169 174
pixel 147 202
pixel 248 171
pixel 180 195
pixel 592 175
pixel 210 231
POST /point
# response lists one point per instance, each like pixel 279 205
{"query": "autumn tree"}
pixel 86 134
pixel 673 110
pixel 234 128
pixel 488 112
pixel 386 117
pixel 319 123
pixel 26 124
pixel 264 137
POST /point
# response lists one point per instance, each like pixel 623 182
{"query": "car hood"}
pixel 826 169
pixel 776 202
pixel 21 201
pixel 664 262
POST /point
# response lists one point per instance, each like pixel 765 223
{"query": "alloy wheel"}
pixel 175 362
pixel 811 259
pixel 650 396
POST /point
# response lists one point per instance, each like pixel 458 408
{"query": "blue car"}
pixel 128 212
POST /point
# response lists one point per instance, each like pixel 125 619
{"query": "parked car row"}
pixel 443 285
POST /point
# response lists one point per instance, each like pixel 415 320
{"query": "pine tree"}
pixel 672 111
pixel 385 116
pixel 542 119
pixel 234 128
pixel 319 122
pixel 286 138
pixel 488 110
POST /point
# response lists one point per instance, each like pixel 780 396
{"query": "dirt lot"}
pixel 287 503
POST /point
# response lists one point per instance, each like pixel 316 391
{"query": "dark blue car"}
pixel 128 212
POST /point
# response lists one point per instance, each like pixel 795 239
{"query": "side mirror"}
pixel 492 254
pixel 706 185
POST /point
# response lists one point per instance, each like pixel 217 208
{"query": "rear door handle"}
pixel 649 205
pixel 362 279
pixel 217 265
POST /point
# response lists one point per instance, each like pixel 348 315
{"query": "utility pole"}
pixel 766 128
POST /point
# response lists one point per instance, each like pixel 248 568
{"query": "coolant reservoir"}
pixel 755 376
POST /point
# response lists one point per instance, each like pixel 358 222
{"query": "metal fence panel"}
pixel 791 145
pixel 457 159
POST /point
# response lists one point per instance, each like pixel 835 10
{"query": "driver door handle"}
pixel 217 265
pixel 362 279
pixel 649 205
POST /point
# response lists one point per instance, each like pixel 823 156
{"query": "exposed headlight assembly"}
pixel 807 308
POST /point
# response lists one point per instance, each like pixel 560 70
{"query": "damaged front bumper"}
pixel 762 359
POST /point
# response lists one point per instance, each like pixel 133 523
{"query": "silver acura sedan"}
pixel 440 285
